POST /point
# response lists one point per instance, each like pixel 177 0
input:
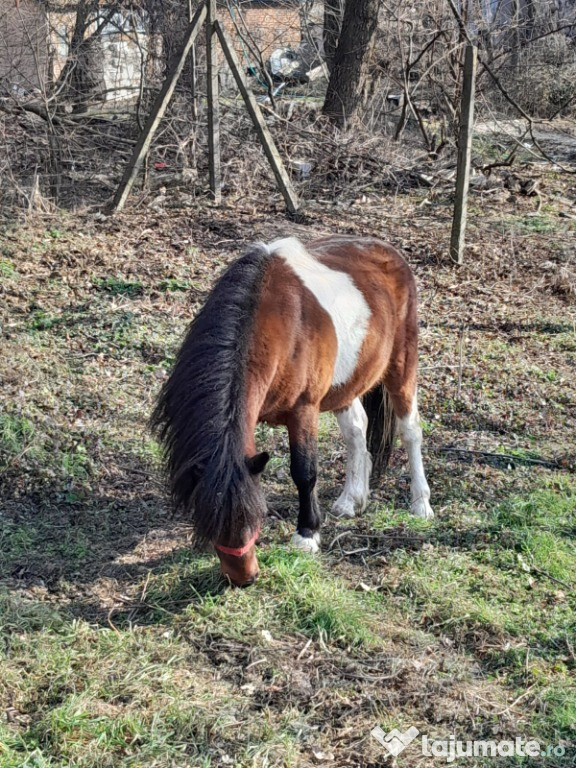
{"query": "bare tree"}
pixel 357 36
pixel 332 22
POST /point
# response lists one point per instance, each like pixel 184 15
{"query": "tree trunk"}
pixel 331 31
pixel 344 94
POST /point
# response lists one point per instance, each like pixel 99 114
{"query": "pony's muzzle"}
pixel 239 571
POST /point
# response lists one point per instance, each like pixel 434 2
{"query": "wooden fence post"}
pixel 159 107
pixel 207 11
pixel 213 105
pixel 282 178
pixel 457 237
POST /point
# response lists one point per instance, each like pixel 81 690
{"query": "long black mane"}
pixel 199 415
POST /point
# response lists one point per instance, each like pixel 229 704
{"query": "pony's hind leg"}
pixel 353 424
pixel 411 435
pixel 303 436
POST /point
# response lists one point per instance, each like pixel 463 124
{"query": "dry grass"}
pixel 120 645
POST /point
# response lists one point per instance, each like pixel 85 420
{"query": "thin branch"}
pixel 548 463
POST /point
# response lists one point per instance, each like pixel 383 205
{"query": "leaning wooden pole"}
pixel 457 237
pixel 282 178
pixel 214 169
pixel 159 107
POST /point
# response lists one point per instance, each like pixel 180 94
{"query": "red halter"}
pixel 238 551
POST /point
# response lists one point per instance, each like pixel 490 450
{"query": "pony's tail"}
pixel 381 427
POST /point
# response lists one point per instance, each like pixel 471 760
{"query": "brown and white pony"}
pixel 289 331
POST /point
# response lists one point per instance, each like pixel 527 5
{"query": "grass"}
pixel 102 696
pixel 119 644
pixel 293 591
pixel 7 269
pixel 507 592
pixel 173 284
pixel 17 434
pixel 118 286
pixel 110 699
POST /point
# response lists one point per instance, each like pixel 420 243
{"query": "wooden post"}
pixel 157 112
pixel 207 11
pixel 193 68
pixel 282 178
pixel 464 154
pixel 213 105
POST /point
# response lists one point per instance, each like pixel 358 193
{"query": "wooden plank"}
pixel 157 112
pixel 214 165
pixel 282 178
pixel 457 237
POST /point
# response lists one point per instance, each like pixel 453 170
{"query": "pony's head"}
pixel 235 543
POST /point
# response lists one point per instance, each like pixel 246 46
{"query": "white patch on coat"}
pixel 338 295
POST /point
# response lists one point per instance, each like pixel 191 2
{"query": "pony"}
pixel 290 331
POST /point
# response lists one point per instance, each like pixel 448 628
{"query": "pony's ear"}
pixel 257 463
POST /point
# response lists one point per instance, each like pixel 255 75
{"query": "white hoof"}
pixel 345 506
pixel 421 508
pixel 306 544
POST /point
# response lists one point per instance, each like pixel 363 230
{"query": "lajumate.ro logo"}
pixel 396 741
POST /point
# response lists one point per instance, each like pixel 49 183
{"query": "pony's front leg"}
pixel 353 423
pixel 303 435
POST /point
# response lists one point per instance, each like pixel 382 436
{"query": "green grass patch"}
pixel 560 707
pixel 295 593
pixel 43 321
pixel 389 518
pixel 119 286
pixel 528 225
pixel 7 269
pixel 17 540
pixel 18 435
pixel 94 697
pixel 507 584
pixel 18 615
pixel 173 285
pixel 36 541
